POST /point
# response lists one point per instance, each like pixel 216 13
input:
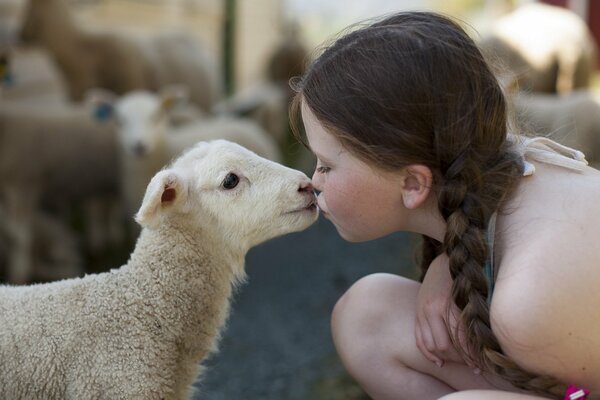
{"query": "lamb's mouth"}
pixel 312 206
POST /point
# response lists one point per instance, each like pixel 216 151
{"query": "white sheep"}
pixel 55 252
pixel 264 102
pixel 140 331
pixel 267 100
pixel 118 61
pixel 571 119
pixel 148 140
pixel 34 78
pixel 57 157
pixel 548 48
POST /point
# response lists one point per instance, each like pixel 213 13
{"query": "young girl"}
pixel 409 127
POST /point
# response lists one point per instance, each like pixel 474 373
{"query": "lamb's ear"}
pixel 173 96
pixel 101 102
pixel 167 189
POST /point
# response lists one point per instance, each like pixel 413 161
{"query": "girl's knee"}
pixel 361 315
pixel 360 303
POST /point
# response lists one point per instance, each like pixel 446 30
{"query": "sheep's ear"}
pixel 101 102
pixel 166 190
pixel 173 96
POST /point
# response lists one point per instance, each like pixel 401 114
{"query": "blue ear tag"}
pixel 103 112
pixel 8 79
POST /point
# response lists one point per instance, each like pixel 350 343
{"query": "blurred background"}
pixel 97 95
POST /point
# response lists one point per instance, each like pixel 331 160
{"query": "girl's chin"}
pixel 347 236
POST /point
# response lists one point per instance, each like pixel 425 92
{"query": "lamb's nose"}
pixel 306 187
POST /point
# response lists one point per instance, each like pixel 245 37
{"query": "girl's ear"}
pixel 166 190
pixel 417 184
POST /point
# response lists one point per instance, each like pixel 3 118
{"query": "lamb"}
pixel 148 140
pixel 554 54
pixel 573 119
pixel 75 163
pixel 117 61
pixel 140 331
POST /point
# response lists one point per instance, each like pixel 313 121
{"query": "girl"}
pixel 409 127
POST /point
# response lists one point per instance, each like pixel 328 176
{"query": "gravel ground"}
pixel 277 345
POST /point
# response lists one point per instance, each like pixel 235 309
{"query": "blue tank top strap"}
pixel 489 262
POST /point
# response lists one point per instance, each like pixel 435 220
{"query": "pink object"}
pixel 574 393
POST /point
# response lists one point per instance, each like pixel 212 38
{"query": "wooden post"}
pixel 229 24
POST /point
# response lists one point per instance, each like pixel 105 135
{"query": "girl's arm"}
pixel 434 323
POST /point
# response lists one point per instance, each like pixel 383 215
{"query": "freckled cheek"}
pixel 338 201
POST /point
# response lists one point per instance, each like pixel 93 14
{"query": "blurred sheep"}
pixel 120 62
pixel 32 77
pixel 55 252
pixel 547 48
pixel 572 119
pixel 267 101
pixel 148 139
pixel 56 157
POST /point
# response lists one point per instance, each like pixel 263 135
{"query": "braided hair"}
pixel 413 88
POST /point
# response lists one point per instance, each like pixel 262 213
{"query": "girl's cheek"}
pixel 322 203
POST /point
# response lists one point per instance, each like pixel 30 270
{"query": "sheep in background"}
pixel 572 119
pixel 547 48
pixel 140 331
pixel 120 62
pixel 56 157
pixel 267 101
pixel 33 78
pixel 55 251
pixel 148 140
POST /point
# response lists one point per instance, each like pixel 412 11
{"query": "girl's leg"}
pixel 373 327
pixel 489 395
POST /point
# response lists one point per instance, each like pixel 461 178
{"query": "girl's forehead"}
pixel 319 139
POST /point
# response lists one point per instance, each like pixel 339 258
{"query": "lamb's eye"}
pixel 230 181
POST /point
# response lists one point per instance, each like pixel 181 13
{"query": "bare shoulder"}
pixel 545 305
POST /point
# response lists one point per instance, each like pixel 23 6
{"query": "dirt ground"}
pixel 277 345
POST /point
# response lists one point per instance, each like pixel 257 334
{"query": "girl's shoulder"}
pixel 546 297
pixel 550 226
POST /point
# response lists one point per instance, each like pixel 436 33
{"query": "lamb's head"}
pixel 226 191
pixel 141 117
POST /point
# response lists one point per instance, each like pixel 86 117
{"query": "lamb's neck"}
pixel 190 277
pixel 185 253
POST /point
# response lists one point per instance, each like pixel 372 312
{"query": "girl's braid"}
pixel 467 211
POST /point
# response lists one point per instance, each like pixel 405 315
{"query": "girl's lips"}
pixel 323 213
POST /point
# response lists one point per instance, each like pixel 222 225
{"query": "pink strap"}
pixel 574 393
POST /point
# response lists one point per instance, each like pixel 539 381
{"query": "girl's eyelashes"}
pixel 322 170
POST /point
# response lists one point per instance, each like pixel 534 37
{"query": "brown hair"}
pixel 414 88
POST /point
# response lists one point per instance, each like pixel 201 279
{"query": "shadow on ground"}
pixel 277 345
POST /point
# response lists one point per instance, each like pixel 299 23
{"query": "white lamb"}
pixel 140 331
pixel 148 139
